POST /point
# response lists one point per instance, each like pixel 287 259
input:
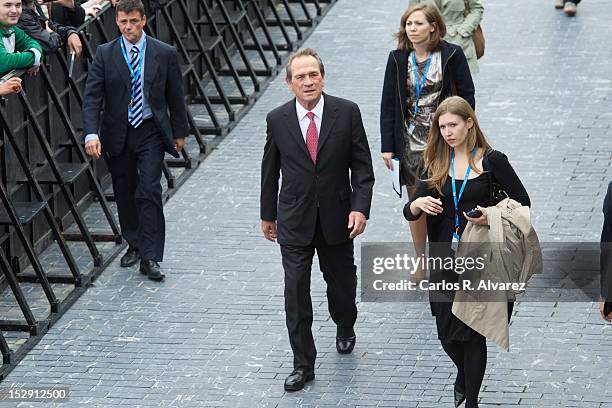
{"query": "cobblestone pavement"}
pixel 213 334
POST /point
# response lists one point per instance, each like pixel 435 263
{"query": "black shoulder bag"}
pixel 496 191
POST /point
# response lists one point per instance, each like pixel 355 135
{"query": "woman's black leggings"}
pixel 470 357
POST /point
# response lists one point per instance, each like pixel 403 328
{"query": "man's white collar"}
pixel 317 110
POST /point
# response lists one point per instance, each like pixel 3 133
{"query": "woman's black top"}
pixel 497 169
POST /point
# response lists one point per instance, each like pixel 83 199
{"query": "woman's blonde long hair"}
pixel 437 154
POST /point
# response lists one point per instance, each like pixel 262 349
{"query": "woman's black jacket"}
pixel 456 80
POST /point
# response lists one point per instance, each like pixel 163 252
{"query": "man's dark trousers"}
pixel 136 174
pixel 339 272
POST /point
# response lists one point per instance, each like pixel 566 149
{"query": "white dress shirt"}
pixel 305 121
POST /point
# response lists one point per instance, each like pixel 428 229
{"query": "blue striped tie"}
pixel 135 112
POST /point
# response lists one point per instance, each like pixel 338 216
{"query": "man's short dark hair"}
pixel 127 6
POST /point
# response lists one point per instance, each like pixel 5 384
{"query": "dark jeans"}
pixel 571 1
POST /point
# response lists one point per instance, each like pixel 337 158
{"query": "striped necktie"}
pixel 135 109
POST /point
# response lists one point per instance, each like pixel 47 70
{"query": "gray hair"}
pixel 306 52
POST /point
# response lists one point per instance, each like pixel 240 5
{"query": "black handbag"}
pixel 496 191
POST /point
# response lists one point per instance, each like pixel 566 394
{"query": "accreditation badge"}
pixel 455 242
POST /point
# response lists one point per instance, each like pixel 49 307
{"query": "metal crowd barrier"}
pixel 58 228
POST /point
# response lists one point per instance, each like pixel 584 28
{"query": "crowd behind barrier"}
pixel 228 49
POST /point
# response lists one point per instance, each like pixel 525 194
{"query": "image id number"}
pixel 34 394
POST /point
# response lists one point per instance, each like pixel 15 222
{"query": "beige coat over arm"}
pixel 512 255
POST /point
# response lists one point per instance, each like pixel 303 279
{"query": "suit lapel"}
pixel 294 127
pixel 120 63
pixel 330 112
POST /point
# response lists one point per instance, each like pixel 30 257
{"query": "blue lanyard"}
pixel 465 180
pixel 419 82
pixel 135 75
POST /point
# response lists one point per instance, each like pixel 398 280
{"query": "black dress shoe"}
pixel 459 397
pixel 345 345
pixel 152 270
pixel 130 257
pixel 297 379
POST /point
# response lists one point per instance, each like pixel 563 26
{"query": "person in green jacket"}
pixel 17 49
pixel 459 26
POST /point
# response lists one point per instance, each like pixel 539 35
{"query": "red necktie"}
pixel 312 137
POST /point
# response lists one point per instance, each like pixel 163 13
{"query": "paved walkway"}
pixel 213 333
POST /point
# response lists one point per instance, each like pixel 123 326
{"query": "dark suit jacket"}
pixel 341 181
pixel 606 251
pixel 109 80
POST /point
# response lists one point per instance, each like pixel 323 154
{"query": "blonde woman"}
pixel 460 25
pixel 459 163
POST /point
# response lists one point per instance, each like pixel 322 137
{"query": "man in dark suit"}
pixel 139 79
pixel 319 144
